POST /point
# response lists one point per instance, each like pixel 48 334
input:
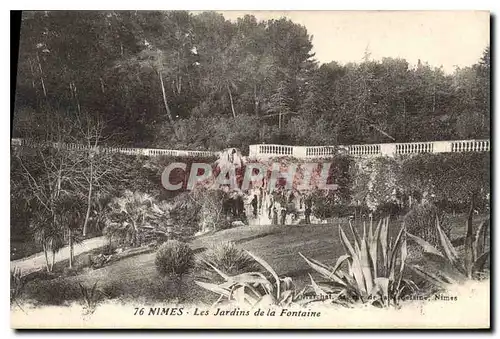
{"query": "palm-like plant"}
pixel 451 266
pixel 98 207
pixel 375 266
pixel 69 215
pixel 47 233
pixel 130 213
pixel 126 214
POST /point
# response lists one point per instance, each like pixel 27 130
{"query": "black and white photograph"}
pixel 250 169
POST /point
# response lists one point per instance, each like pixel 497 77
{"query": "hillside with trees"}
pixel 179 80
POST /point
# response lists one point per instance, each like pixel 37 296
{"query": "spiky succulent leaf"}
pixel 268 267
pixel 480 239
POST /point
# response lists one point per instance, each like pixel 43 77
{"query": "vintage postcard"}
pixel 261 169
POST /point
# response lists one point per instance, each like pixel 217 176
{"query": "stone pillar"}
pixel 441 146
pixel 299 152
pixel 254 150
pixel 388 150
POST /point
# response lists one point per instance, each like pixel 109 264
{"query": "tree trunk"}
pixel 434 100
pixel 75 94
pixel 256 100
pixel 165 102
pixel 102 85
pixel 32 74
pixel 136 234
pixel 469 240
pixel 404 120
pixel 180 296
pixel 70 235
pixel 41 75
pixel 231 100
pixel 89 198
pixel 46 257
pixel 53 259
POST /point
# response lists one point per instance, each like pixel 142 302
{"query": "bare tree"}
pixel 64 176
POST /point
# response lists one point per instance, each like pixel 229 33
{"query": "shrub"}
pixel 174 258
pixel 324 206
pixel 108 249
pixel 227 257
pixel 57 291
pixel 420 221
pixel 388 209
pixel 342 211
pixel 375 267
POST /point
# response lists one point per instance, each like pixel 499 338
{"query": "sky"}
pixel 441 38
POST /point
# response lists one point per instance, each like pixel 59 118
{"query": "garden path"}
pixel 36 261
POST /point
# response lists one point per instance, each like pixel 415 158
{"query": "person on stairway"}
pixel 308 210
pixel 255 205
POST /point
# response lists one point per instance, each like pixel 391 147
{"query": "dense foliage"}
pixel 459 178
pixel 179 80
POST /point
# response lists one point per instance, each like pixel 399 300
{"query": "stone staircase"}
pixel 263 218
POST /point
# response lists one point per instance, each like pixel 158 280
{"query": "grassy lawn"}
pixel 135 277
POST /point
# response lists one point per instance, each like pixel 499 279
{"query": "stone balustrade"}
pixel 303 152
pixel 370 150
pixel 150 152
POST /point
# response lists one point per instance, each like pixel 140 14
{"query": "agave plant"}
pixel 17 283
pixel 452 267
pixel 254 288
pixel 375 266
pixel 89 298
